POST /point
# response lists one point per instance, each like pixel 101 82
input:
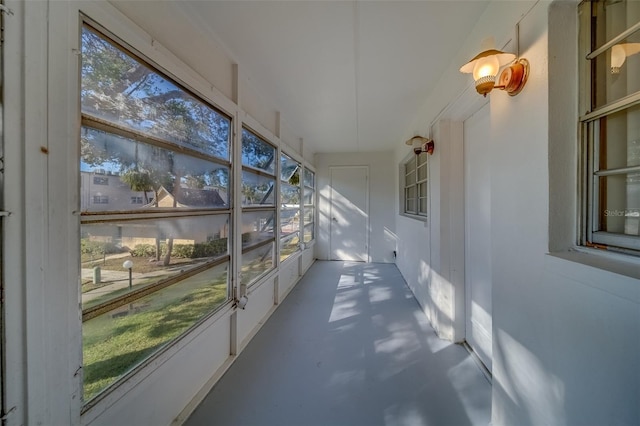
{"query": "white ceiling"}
pixel 346 76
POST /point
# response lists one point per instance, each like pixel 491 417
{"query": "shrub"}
pixel 143 250
pixel 96 248
pixel 185 251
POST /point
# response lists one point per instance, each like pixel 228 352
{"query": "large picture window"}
pixel 610 108
pixel 289 206
pixel 258 207
pixel 155 234
pixel 415 185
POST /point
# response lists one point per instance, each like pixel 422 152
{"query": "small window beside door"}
pixel 415 178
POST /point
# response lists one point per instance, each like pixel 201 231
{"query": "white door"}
pixel 349 213
pixel 477 197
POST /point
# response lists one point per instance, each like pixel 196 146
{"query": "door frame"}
pixel 447 127
pixel 367 200
pixel 467 285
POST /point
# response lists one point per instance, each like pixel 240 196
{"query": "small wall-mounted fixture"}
pixel 420 144
pixel 485 66
pixel 619 54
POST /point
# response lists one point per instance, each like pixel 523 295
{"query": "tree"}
pixel 139 181
pixel 119 89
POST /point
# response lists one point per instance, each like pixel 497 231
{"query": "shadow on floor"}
pixel 349 346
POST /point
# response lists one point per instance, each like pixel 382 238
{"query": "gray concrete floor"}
pixel 349 346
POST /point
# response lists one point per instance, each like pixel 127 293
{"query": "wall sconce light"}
pixel 619 54
pixel 485 66
pixel 420 144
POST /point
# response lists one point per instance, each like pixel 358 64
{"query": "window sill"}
pixel 416 217
pixel 611 272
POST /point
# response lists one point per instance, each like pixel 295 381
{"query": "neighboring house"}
pixel 187 198
pixel 102 190
pixel 131 234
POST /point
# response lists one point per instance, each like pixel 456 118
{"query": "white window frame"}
pixel 304 206
pixel 415 183
pixel 96 217
pixel 266 208
pixel 590 171
pixel 282 182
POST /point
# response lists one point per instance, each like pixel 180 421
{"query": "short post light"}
pixel 129 265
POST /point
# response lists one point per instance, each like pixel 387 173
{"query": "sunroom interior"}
pixel 179 178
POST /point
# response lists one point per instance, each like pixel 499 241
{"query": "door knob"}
pixel 334 219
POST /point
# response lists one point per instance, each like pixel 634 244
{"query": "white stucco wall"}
pixel 382 198
pixel 566 326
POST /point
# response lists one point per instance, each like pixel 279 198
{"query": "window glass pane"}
pixel 615 82
pixel 257 190
pixel 289 221
pixel 410 178
pixel 159 249
pixel 289 170
pixel 289 244
pixel 410 205
pixel 117 341
pixel 422 173
pixel 309 213
pixel 613 18
pixel 290 195
pixel 422 189
pixel 257 227
pixel 619 208
pixel 309 178
pixel 309 232
pixel 410 192
pixel 410 166
pixel 410 199
pixel 256 262
pixel 289 207
pixel 136 169
pixel 257 153
pixel 619 139
pixel 308 197
pixel 421 158
pixel 617 69
pixel 120 89
pixel 422 207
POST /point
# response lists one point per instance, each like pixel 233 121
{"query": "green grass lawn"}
pixel 119 340
pixel 289 248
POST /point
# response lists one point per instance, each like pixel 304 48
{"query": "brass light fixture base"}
pixel 485 85
pixel 514 77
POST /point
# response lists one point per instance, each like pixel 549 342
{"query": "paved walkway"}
pixel 349 346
